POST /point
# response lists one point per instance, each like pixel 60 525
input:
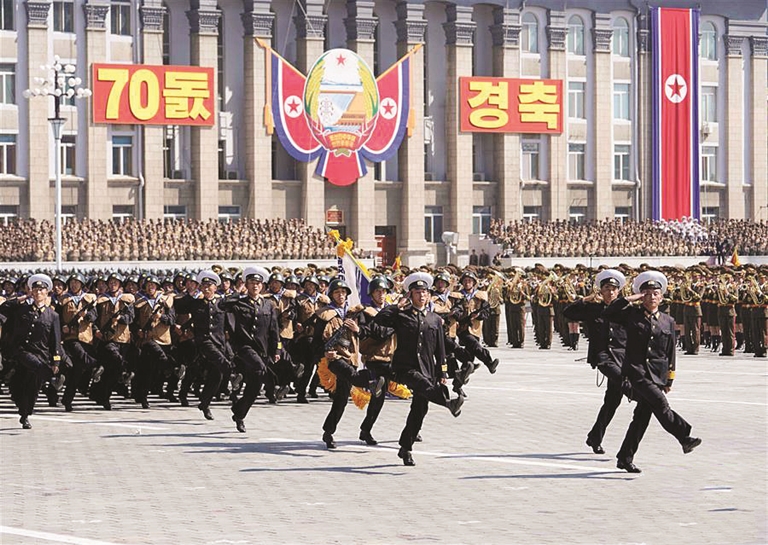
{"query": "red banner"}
pixel 511 105
pixel 153 95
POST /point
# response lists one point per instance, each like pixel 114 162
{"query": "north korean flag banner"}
pixel 675 112
pixel 339 113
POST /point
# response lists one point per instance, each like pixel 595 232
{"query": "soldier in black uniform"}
pixel 211 343
pixel 607 345
pixel 37 342
pixel 649 364
pixel 419 359
pixel 254 339
pixel 474 304
pixel 307 304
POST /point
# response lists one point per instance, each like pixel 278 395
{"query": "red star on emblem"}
pixel 675 88
pixel 388 107
pixel 340 59
pixel 293 105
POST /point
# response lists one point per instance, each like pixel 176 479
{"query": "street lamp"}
pixel 63 85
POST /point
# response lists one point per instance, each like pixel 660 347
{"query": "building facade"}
pixel 441 179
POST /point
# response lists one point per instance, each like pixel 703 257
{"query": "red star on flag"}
pixel 340 59
pixel 293 105
pixel 675 88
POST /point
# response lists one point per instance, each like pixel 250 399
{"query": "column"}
pixel 99 204
pixel 602 196
pixel 39 195
pixel 506 152
pixel 411 244
pixel 459 32
pixel 152 14
pixel 258 22
pixel 759 136
pixel 361 35
pixel 644 144
pixel 310 44
pixel 558 144
pixel 734 130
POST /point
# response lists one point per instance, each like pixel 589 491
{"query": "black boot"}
pixel 715 342
pixel 739 339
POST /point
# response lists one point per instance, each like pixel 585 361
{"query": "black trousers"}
pixel 611 401
pixel 186 353
pixel 33 370
pixel 253 367
pixel 155 360
pixel 375 405
pixel 650 401
pixel 112 356
pixel 346 377
pixel 83 362
pixel 302 353
pixel 515 314
pixel 491 327
pixel 425 389
pixel 473 346
pixel 217 365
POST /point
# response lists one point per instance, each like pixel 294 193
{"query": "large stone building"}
pixel 441 179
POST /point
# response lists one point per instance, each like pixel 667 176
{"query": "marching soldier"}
pixel 183 337
pixel 78 313
pixel 492 322
pixel 283 371
pixel 691 299
pixel 37 342
pixel 210 340
pixel 254 340
pixel 115 314
pixel 475 308
pixel 155 318
pixel 607 345
pixel 649 365
pixel 307 303
pixel 419 359
pixel 726 313
pixel 336 339
pixel 515 293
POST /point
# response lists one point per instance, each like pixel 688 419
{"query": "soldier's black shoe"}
pixel 368 438
pixel 144 404
pixel 596 447
pixel 493 365
pixel 170 397
pixel 377 386
pixel 239 423
pixel 454 406
pixel 106 405
pixel 206 412
pixel 24 421
pixel 406 457
pixel 282 392
pixel 183 401
pixel 462 375
pixel 313 394
pixel 629 467
pixel 417 439
pixel 690 443
pixel 68 407
pixel 302 399
pixel 328 440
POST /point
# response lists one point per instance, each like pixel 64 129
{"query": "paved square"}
pixel 513 468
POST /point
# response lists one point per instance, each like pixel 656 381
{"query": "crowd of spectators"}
pixel 612 238
pixel 287 239
pixel 168 240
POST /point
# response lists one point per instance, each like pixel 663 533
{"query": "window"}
pixel 7 154
pixel 709 164
pixel 222 159
pixel 433 223
pixel 174 212
pixel 621 162
pixel 576 162
pixel 68 154
pixel 8 213
pixel 481 220
pixel 170 151
pixel 621 37
pixel 121 212
pixel 622 213
pixel 7 8
pixel 709 104
pixel 7 84
pixel 64 16
pixel 577 214
pixel 529 39
pixel 121 17
pixel 166 35
pixel 575 35
pixel 229 213
pixel 531 213
pixel 576 99
pixel 122 155
pixel 68 212
pixel 708 41
pixel 710 213
pixel 531 158
pixel 621 101
pixel 220 64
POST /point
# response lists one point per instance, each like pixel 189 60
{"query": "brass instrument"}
pixel 513 290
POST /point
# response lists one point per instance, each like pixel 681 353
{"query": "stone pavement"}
pixel 513 468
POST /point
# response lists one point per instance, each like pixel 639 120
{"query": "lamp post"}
pixel 63 85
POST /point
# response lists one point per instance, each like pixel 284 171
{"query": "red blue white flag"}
pixel 675 123
pixel 339 113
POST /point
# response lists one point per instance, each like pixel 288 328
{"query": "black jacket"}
pixel 37 330
pixel 607 339
pixel 255 324
pixel 208 316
